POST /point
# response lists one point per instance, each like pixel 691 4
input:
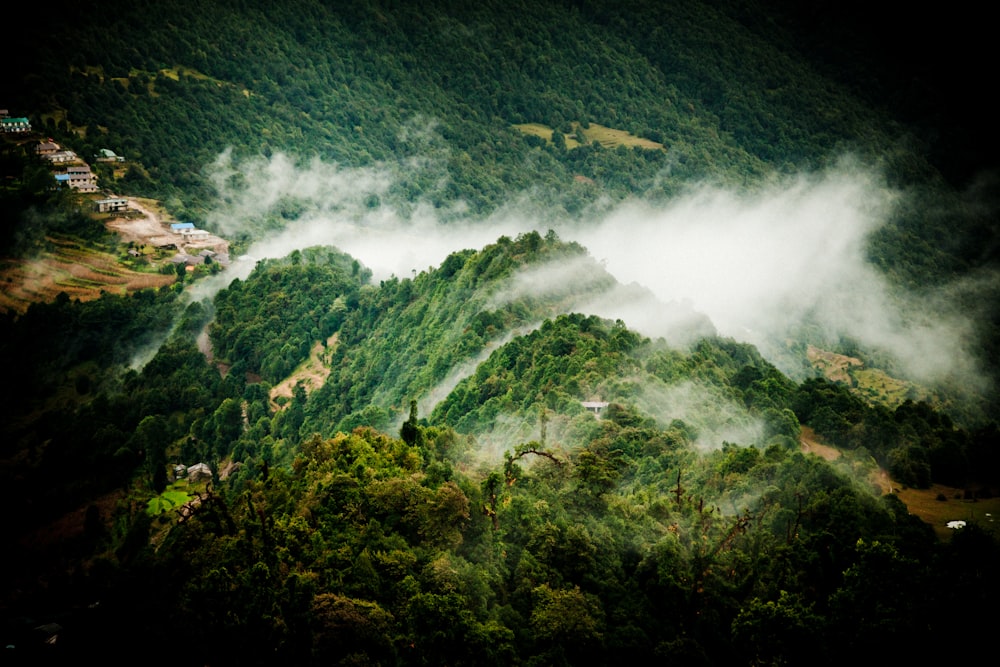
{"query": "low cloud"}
pixel 750 260
pixel 715 418
pixel 758 263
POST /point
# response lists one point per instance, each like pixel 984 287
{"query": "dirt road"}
pixel 145 225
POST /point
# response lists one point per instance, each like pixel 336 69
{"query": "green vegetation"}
pixel 269 324
pixel 509 525
pixel 446 496
pixel 360 84
pixel 169 500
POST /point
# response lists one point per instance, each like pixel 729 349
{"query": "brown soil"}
pixel 81 275
pixel 84 273
pixel 146 227
pixel 146 224
pixel 812 445
pixel 312 373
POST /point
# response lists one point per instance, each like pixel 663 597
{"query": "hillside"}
pixel 690 483
pixel 560 333
pixel 727 92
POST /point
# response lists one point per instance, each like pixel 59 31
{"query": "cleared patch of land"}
pixel 170 499
pixel 812 445
pixel 876 386
pixel 940 504
pixel 935 506
pixel 594 133
pixel 72 268
pixel 83 272
pixel 871 384
pixel 834 367
pixel 312 373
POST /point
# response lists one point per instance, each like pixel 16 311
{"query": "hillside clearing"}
pixel 835 367
pixel 940 504
pixel 605 136
pixel 873 385
pixel 935 506
pixel 68 267
pixel 312 373
pixel 811 445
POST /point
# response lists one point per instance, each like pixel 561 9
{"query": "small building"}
pixel 199 472
pixel 62 180
pixel 15 125
pixel 110 205
pixel 107 155
pixel 46 148
pixel 184 258
pixel 596 407
pixel 60 157
pixel 189 231
pixel 81 178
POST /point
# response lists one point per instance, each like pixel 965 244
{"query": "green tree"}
pixel 567 624
pixel 785 631
pixel 410 431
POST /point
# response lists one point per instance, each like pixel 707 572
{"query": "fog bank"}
pixel 758 263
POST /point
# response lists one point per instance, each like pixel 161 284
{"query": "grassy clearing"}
pixel 611 138
pixel 835 367
pixel 312 373
pixel 878 387
pixel 605 136
pixel 935 506
pixel 871 384
pixel 940 504
pixel 177 71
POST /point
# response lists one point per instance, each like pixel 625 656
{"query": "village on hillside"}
pixel 137 222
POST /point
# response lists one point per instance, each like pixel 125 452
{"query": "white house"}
pixel 596 407
pixel 110 205
pixel 81 178
pixel 59 157
pixel 198 472
pixel 107 155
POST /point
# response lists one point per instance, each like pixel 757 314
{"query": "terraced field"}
pixel 79 272
pixel 873 385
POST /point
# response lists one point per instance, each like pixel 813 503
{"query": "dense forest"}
pixel 470 463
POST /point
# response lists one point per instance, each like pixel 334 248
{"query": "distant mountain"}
pixel 731 88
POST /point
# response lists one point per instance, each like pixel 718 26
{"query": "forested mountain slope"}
pixel 427 98
pixel 448 494
pixel 433 90
pixel 508 526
